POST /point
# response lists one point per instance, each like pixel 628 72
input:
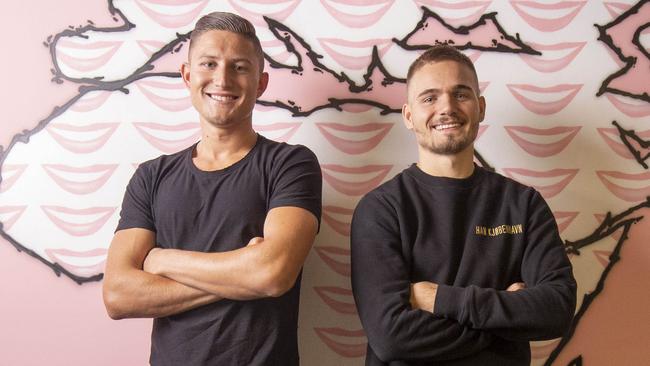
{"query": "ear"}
pixel 406 116
pixel 481 106
pixel 262 84
pixel 185 73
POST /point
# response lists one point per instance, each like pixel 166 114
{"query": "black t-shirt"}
pixel 220 211
pixel 473 237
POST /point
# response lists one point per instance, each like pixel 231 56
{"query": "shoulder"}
pixel 272 150
pixel 387 195
pixel 499 182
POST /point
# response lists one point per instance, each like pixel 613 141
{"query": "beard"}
pixel 451 145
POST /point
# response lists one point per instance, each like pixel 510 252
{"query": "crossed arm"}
pixel 143 281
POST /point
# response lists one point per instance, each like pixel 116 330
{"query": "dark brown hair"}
pixel 441 52
pixel 228 22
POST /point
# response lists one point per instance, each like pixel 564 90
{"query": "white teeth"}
pixel 222 98
pixel 446 126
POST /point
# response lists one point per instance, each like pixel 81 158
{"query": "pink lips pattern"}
pixel 615 8
pixel 517 133
pixel 354 345
pixel 630 108
pixel 9 215
pixel 353 186
pixel 90 220
pixel 613 139
pixel 271 130
pixel 602 256
pixel 337 298
pixel 81 139
pixel 74 57
pixel 332 47
pixel 462 7
pixel 332 130
pixel 10 174
pixel 564 219
pixel 149 47
pixel 337 259
pixel 338 218
pixel 527 9
pixel 249 9
pixel 363 17
pixel 188 133
pixel 616 235
pixel 97 176
pixel 547 65
pixel 154 91
pixel 172 18
pixel 625 193
pixel 545 107
pixel 529 177
pixel 58 255
pixel 90 101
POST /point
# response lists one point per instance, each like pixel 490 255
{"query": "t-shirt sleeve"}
pixel 297 181
pixel 381 287
pixel 136 206
pixel 543 310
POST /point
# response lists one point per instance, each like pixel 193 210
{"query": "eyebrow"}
pixel 235 60
pixel 435 91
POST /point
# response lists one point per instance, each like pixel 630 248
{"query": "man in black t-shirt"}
pixel 212 239
pixel 453 264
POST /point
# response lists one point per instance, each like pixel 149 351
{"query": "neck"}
pixel 222 147
pixel 457 166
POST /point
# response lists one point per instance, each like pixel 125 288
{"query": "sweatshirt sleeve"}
pixel 543 310
pixel 381 287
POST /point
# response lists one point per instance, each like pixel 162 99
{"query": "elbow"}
pixel 276 282
pixel 114 303
pixel 386 347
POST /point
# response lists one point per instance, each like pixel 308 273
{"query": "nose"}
pixel 221 76
pixel 446 104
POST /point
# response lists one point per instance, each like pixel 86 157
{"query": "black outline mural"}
pixel 630 61
pixel 626 136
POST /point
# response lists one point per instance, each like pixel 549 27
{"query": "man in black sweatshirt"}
pixel 453 264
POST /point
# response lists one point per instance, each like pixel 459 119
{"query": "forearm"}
pixel 138 294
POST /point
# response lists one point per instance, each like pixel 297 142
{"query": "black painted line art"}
pixel 609 225
pixel 486 22
pixel 95 85
pixel 629 137
pixel 629 60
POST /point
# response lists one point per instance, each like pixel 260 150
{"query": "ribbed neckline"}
pixel 430 180
pixel 226 170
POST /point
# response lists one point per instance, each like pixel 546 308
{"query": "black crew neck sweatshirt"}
pixel 473 237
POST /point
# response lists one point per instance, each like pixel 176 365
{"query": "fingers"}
pixel 256 240
pixel 516 286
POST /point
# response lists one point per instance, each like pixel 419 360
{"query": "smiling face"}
pixel 444 107
pixel 224 78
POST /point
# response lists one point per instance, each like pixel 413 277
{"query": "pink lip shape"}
pixel 541 64
pixel 624 193
pixel 341 227
pixel 256 17
pixel 517 133
pixel 613 139
pixel 602 256
pixel 89 144
pixel 78 185
pixel 523 8
pixel 89 227
pixel 271 48
pixel 150 47
pixel 166 145
pixel 354 147
pixel 11 214
pixel 90 101
pixel 329 295
pixel 56 255
pixel 149 88
pixel 564 219
pixel 172 19
pixel 355 347
pixel 354 62
pixel 352 187
pixel 357 20
pixel 547 191
pixel 629 109
pixel 290 129
pixel 544 108
pixel 338 259
pixel 615 9
pixel 480 7
pixel 10 174
pixel 83 63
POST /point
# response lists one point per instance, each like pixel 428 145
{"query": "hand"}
pixel 516 287
pixel 423 295
pixel 150 263
pixel 256 240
